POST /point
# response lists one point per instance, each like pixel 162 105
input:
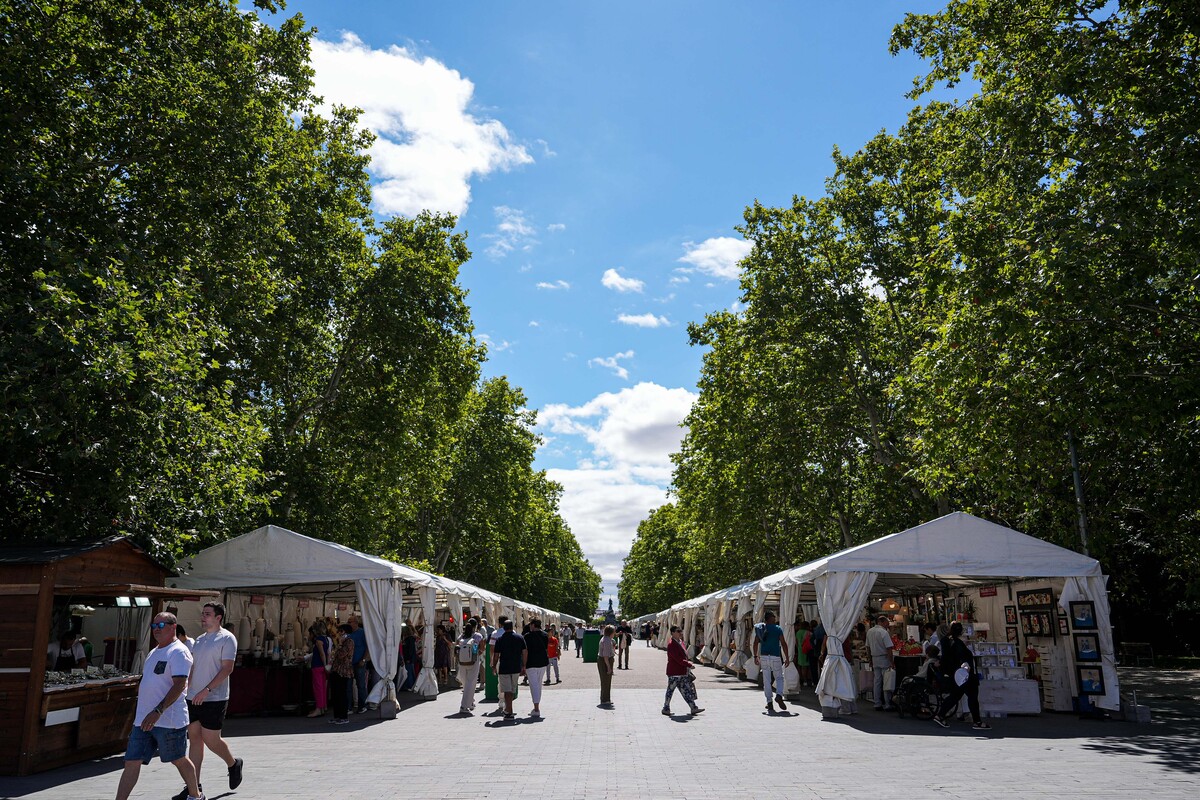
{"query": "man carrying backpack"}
pixel 467 652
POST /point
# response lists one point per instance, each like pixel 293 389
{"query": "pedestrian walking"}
pixel 508 662
pixel 552 655
pixel 771 655
pixel 606 656
pixel 537 646
pixel 960 674
pixel 579 641
pixel 213 656
pixel 624 640
pixel 160 721
pixel 679 673
pixel 468 656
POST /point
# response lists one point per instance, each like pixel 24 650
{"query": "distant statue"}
pixel 610 616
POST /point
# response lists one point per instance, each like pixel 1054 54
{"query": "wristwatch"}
pixel 158 709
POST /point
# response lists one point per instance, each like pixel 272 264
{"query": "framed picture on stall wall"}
pixel 1091 679
pixel 1083 615
pixel 1012 634
pixel 1063 630
pixel 1036 600
pixel 1087 647
pixel 1010 615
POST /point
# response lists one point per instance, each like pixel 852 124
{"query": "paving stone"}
pixel 733 749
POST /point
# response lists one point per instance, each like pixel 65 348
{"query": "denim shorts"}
pixel 170 744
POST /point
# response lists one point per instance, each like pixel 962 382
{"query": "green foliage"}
pixel 657 571
pixel 204 328
pixel 999 273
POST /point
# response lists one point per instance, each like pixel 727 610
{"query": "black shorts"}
pixel 211 716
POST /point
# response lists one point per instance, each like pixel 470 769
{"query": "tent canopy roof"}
pixel 275 560
pixel 276 557
pixel 957 549
pixel 953 551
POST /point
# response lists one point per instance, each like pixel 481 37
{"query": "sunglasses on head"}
pixel 158 626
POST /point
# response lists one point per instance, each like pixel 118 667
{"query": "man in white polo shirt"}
pixel 208 693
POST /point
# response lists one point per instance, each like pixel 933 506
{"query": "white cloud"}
pixel 555 227
pixel 625 473
pixel 546 151
pixel 678 279
pixel 613 363
pixel 643 320
pixel 533 323
pixel 717 257
pixel 559 284
pixel 513 232
pixel 429 146
pixel 492 345
pixel 618 283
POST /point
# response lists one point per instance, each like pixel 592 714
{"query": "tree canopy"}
pixel 1005 275
pixel 204 327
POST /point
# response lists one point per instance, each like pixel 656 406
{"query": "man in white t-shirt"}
pixel 879 642
pixel 213 655
pixel 161 719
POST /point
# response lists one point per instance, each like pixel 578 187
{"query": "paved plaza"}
pixel 734 749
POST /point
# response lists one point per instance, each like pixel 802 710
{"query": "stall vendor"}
pixel 66 655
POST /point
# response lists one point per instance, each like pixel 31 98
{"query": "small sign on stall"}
pixel 343 606
pixel 301 604
pixel 987 591
pixel 257 599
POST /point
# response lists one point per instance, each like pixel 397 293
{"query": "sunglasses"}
pixel 158 626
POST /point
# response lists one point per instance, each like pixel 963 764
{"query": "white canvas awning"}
pixel 276 561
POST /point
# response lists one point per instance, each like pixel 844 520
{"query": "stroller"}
pixel 918 697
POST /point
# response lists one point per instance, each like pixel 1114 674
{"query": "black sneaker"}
pixel 183 795
pixel 779 700
pixel 235 774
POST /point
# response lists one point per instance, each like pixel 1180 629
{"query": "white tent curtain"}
pixel 789 600
pixel 760 601
pixel 840 598
pixel 710 629
pixel 738 658
pixel 723 651
pixel 1093 588
pixel 426 684
pixel 456 611
pixel 380 602
pixel 689 631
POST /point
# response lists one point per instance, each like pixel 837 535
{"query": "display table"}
pixel 1009 697
pixel 267 689
pixel 87 720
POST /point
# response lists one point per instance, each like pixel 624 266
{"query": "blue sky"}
pixel 600 157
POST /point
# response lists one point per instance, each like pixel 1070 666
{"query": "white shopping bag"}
pixel 889 680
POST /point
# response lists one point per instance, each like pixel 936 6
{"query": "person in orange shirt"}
pixel 552 652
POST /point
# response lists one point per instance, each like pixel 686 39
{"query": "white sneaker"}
pixel 535 713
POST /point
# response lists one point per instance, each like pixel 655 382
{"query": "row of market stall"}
pixel 274 583
pixel 1037 615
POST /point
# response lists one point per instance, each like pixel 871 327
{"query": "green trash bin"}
pixel 591 646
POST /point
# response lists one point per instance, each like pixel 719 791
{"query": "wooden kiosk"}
pixel 43 728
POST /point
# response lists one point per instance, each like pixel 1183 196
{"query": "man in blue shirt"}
pixel 771 655
pixel 359 637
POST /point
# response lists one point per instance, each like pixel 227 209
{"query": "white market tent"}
pixel 956 551
pixel 278 562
